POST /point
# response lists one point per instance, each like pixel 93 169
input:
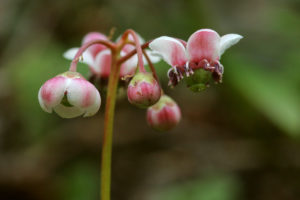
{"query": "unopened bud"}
pixel 164 115
pixel 143 90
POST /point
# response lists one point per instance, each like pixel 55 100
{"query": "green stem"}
pixel 108 128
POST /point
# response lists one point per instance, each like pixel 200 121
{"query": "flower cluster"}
pixel 98 57
pixel 197 61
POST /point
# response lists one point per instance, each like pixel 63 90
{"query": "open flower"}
pixel 98 57
pixel 69 95
pixel 202 50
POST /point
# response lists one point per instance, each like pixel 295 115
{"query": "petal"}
pixel 96 48
pixel 52 92
pixel 152 56
pixel 70 53
pixel 102 64
pixel 84 95
pixel 229 40
pixel 68 112
pixel 172 51
pixel 129 67
pixel 87 57
pixel 46 109
pixel 93 109
pixel 203 44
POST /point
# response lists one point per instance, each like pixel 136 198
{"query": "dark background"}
pixel 236 141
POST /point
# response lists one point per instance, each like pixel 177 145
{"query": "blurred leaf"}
pixel 273 94
pixel 79 182
pixel 214 187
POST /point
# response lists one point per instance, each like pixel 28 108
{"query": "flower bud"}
pixel 143 90
pixel 69 95
pixel 164 115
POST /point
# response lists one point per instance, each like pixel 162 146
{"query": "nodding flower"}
pixel 69 95
pixel 98 57
pixel 202 50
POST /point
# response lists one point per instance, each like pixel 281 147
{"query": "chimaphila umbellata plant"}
pixel 196 61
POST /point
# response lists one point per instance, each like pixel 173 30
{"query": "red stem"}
pixel 130 54
pixel 151 66
pixel 75 60
pixel 138 48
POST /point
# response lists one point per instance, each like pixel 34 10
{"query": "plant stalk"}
pixel 108 128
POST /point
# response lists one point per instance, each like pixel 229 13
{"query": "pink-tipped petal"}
pixel 229 40
pixel 84 95
pixel 203 44
pixel 52 92
pixel 96 48
pixel 68 112
pixel 172 51
pixel 93 109
pixel 102 64
pixel 86 58
pixel 46 109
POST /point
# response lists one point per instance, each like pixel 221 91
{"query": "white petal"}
pixel 84 95
pixel 228 40
pixel 68 112
pixel 172 51
pixel 154 57
pixel 70 53
pixel 87 57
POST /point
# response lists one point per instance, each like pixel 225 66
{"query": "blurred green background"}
pixel 237 141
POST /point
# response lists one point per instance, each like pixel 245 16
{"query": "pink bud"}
pixel 96 48
pixel 69 95
pixel 143 90
pixel 164 115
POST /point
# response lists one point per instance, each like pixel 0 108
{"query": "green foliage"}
pixel 213 187
pixel 273 94
pixel 79 182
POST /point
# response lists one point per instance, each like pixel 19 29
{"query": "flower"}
pixel 164 115
pixel 143 90
pixel 69 95
pixel 202 51
pixel 98 57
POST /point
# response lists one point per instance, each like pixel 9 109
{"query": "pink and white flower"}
pixel 98 57
pixel 69 95
pixel 164 115
pixel 202 50
pixel 143 90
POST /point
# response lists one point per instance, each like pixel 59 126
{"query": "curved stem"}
pixel 137 47
pixel 75 60
pixel 130 54
pixel 108 127
pixel 151 66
